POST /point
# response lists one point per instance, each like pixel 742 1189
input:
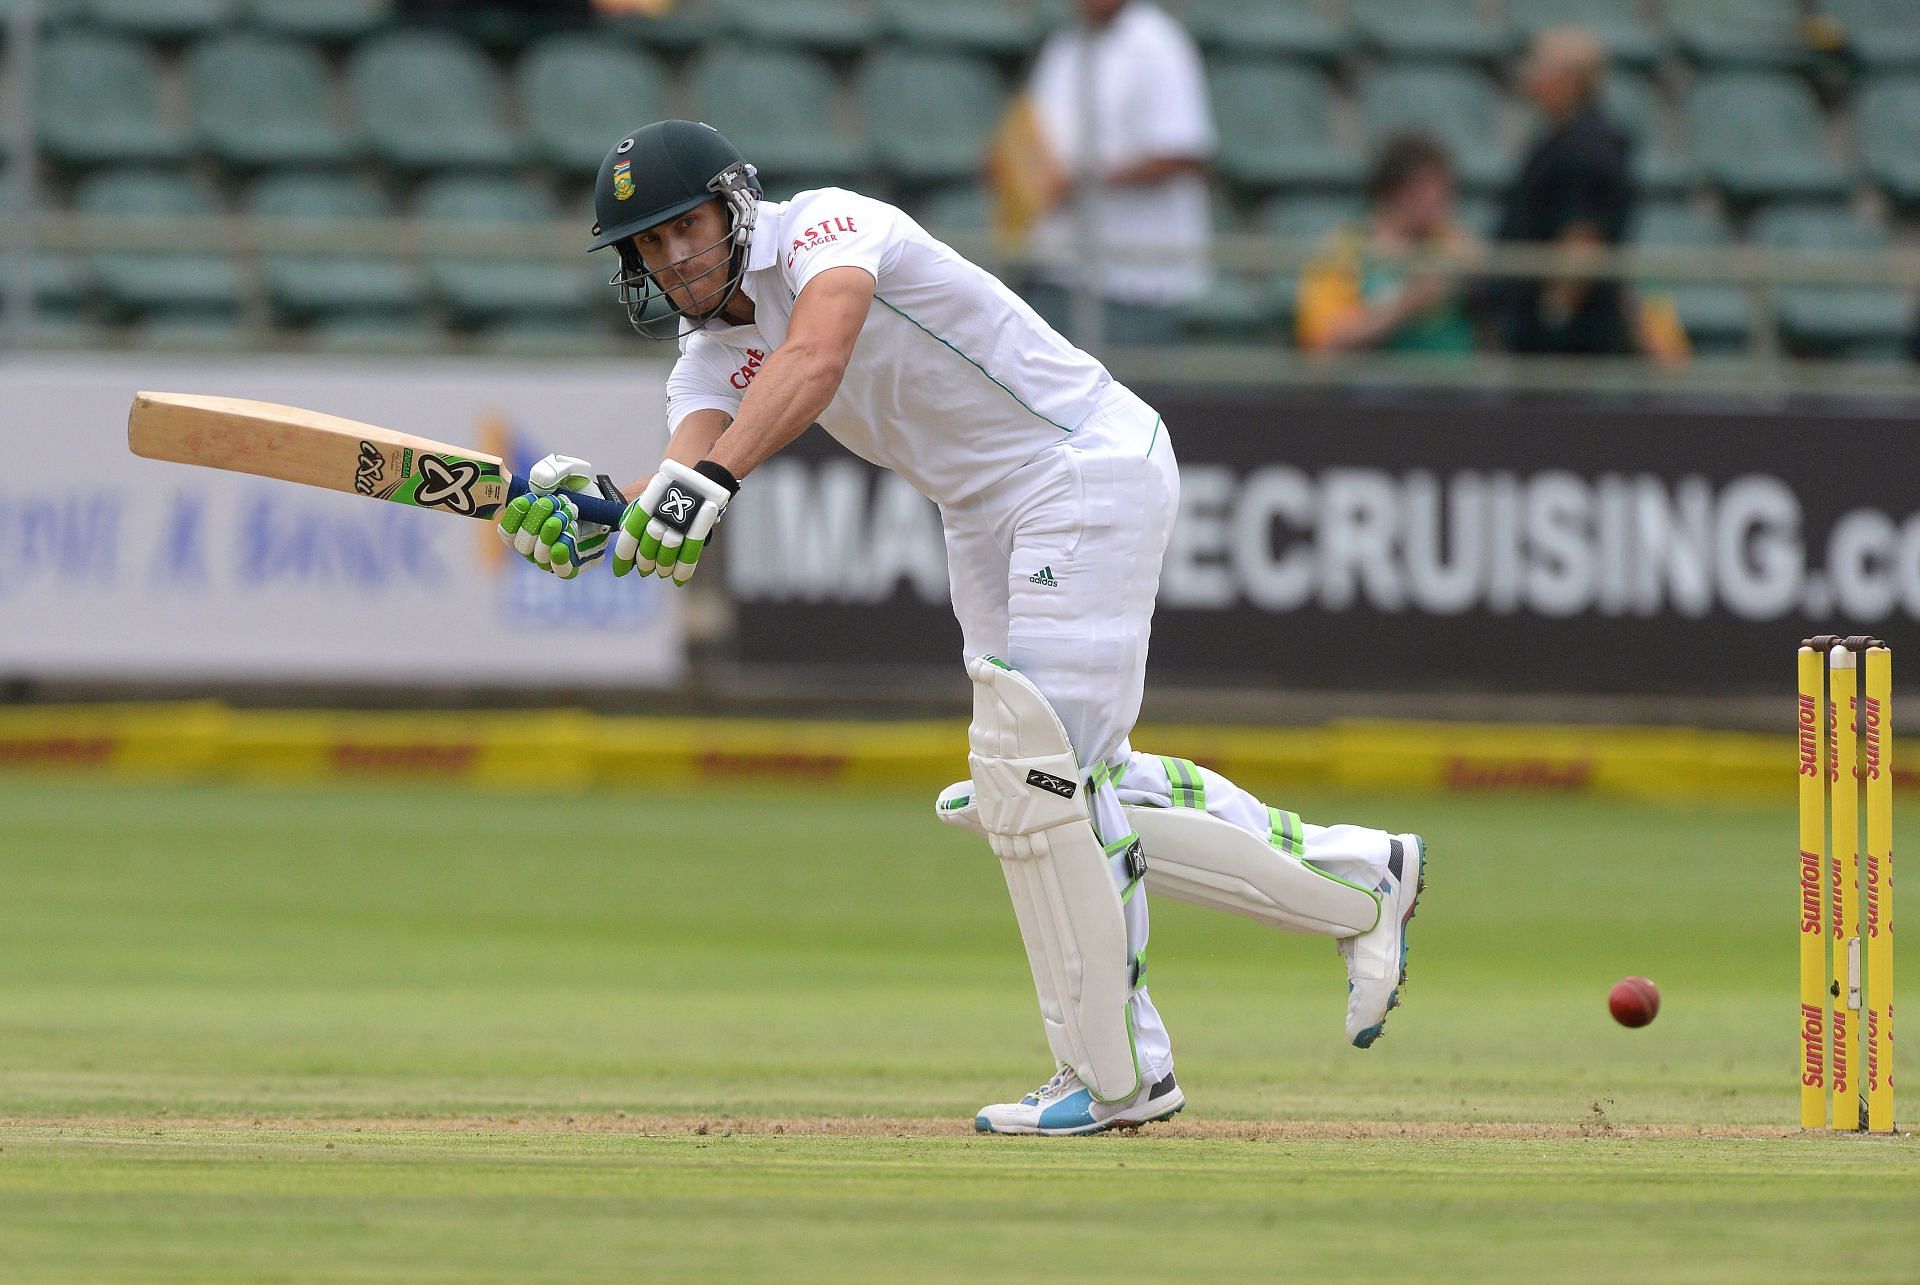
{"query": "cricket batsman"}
pixel 1057 490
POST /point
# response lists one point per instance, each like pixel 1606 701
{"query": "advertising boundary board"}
pixel 1400 544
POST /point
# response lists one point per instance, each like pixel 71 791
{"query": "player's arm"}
pixel 800 376
pixel 665 530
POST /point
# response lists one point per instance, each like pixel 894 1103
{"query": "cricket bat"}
pixel 315 449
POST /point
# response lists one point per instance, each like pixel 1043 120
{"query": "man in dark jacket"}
pixel 1575 191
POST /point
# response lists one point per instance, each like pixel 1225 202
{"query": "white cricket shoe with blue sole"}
pixel 1063 1106
pixel 1377 959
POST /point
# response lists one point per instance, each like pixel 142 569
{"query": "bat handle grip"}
pixel 593 507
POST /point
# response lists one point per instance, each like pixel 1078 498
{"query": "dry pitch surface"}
pixel 369 1034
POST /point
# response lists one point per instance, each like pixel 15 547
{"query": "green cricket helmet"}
pixel 657 174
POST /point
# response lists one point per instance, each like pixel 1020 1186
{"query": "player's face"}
pixel 690 257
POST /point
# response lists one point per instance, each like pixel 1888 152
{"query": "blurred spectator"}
pixel 1357 297
pixel 1146 137
pixel 1575 191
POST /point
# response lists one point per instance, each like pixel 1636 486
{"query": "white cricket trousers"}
pixel 1055 570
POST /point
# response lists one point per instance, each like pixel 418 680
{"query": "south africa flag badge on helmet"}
pixel 623 180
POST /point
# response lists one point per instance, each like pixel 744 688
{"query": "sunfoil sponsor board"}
pixel 120 568
pixel 1411 545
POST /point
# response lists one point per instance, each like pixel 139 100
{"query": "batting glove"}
pixel 663 532
pixel 544 527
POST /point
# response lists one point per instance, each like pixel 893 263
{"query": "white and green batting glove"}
pixel 664 531
pixel 544 527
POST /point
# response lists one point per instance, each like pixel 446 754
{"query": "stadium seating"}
pixel 1657 165
pixel 837 26
pixel 1740 33
pixel 1717 318
pixel 1458 106
pixel 929 115
pixel 959 212
pixel 1431 29
pixel 144 281
pixel 1276 127
pixel 304 286
pixel 1620 25
pixel 990 27
pixel 1760 136
pixel 1298 30
pixel 1879 34
pixel 430 101
pixel 1866 320
pixel 580 95
pixel 483 289
pixel 1887 116
pixel 157 19
pixel 260 101
pixel 97 101
pixel 1298 219
pixel 324 20
pixel 779 108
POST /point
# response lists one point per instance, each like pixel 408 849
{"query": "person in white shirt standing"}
pixel 1057 488
pixel 1120 100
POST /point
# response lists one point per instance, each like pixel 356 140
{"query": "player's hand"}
pixel 664 531
pixel 544 527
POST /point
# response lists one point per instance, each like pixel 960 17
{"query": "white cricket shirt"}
pixel 954 381
pixel 1149 102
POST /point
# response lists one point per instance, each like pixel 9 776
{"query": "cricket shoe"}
pixel 1064 1106
pixel 1377 959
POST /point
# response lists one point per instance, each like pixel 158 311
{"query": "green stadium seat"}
pixel 1887 118
pixel 1456 105
pixel 481 290
pixel 1740 33
pixel 1276 127
pixel 1759 135
pixel 1299 30
pixel 157 19
pixel 1233 310
pixel 779 108
pixel 1620 25
pixel 338 21
pixel 1431 29
pixel 930 115
pixel 687 25
pixel 963 211
pixel 1658 166
pixel 543 338
pixel 834 26
pixel 97 101
pixel 136 279
pixel 1717 318
pixel 581 95
pixel 190 330
pixel 991 27
pixel 1879 34
pixel 258 101
pixel 1833 320
pixel 430 101
pixel 375 335
pixel 305 285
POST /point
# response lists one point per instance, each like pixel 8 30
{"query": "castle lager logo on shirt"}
pixel 744 376
pixel 825 232
pixel 623 180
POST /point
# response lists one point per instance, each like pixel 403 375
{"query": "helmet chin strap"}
pixel 638 287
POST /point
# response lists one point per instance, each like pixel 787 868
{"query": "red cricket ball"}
pixel 1633 1001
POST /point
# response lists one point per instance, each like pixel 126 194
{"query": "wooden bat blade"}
pixel 316 449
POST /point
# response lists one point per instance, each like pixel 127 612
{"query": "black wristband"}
pixel 718 473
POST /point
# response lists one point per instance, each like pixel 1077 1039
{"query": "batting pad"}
pixel 1033 806
pixel 1194 857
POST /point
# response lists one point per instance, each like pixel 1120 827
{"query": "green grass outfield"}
pixel 334 1034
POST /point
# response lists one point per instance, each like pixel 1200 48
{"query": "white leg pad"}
pixel 1194 857
pixel 1032 804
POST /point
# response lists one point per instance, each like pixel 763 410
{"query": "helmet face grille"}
pixel 650 311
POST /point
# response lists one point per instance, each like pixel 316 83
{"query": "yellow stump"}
pixel 1843 891
pixel 1813 845
pixel 1876 884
